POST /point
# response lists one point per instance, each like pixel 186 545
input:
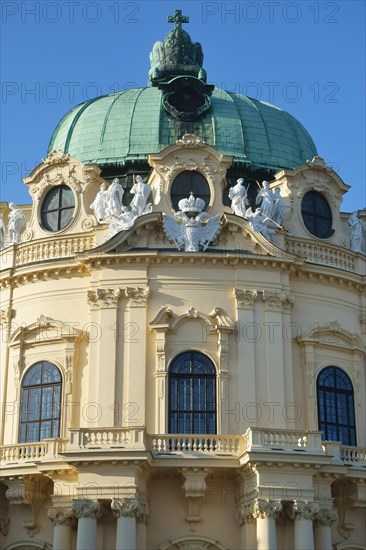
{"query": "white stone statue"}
pixel 238 197
pixel 141 191
pixel 100 204
pixel 265 199
pixel 108 207
pixel 279 207
pixel 355 232
pixel 261 223
pixel 114 198
pixel 16 224
pixel 191 228
pixel 2 233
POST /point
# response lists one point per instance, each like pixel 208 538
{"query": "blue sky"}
pixel 306 57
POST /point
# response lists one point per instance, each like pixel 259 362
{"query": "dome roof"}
pixel 125 127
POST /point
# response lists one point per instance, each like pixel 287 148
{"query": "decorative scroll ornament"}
pixel 190 227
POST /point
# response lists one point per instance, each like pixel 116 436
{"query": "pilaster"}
pixel 245 335
pixel 134 377
pixel 103 355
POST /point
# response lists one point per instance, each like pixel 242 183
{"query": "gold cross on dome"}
pixel 178 19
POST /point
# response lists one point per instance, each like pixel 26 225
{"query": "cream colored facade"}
pixel 113 314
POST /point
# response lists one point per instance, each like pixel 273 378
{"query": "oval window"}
pixel 189 182
pixel 317 215
pixel 57 208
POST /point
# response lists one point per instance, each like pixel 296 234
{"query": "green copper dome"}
pixel 124 127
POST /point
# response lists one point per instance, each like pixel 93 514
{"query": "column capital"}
pixel 103 298
pixel 303 509
pixel 325 517
pixel 266 508
pixel 278 301
pixel 126 507
pixel 86 508
pixel 137 296
pixel 61 516
pixel 245 298
pixel 244 512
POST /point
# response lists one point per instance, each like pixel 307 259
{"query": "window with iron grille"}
pixel 336 411
pixel 192 394
pixel 40 404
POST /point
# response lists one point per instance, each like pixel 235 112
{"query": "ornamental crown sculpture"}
pixel 191 204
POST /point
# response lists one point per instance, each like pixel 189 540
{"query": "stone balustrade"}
pixel 354 456
pixel 285 440
pixel 206 443
pixel 106 438
pixel 135 439
pixel 321 253
pixel 19 453
pixel 63 247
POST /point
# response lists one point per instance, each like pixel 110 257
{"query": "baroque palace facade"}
pixel 182 342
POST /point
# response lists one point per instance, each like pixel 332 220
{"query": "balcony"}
pixel 127 442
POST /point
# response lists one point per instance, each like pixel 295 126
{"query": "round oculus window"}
pixel 189 182
pixel 317 215
pixel 57 208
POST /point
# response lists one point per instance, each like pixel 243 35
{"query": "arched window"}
pixel 336 411
pixel 192 394
pixel 40 403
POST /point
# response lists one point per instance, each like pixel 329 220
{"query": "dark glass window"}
pixel 40 403
pixel 192 394
pixel 57 208
pixel 189 182
pixel 336 411
pixel 317 215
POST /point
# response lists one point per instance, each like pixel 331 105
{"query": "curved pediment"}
pixel 334 335
pixel 45 329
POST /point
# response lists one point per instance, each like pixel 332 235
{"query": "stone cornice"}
pixel 82 265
